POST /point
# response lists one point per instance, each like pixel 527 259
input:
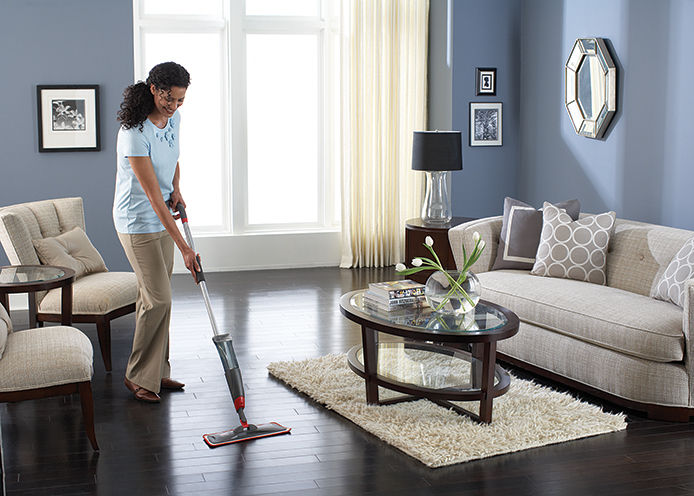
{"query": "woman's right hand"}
pixel 191 261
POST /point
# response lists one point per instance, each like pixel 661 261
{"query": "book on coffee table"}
pixel 376 300
pixel 394 290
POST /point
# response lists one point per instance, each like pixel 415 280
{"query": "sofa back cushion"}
pixel 639 253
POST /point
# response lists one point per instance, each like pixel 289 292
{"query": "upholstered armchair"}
pixel 98 296
pixel 37 363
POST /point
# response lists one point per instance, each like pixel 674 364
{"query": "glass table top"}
pixel 484 318
pixel 29 274
pixel 423 368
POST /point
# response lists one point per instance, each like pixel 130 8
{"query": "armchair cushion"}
pixel 71 249
pixel 44 357
pixel 95 294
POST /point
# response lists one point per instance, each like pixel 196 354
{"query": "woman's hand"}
pixel 174 200
pixel 191 261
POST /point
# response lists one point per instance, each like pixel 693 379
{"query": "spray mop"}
pixel 232 372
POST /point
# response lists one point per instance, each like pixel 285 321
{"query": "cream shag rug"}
pixel 527 416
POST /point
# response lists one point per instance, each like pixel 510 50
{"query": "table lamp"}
pixel 437 153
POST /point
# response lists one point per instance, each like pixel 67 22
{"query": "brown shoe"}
pixel 169 383
pixel 141 393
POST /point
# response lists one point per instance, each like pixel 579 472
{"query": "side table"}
pixel 32 278
pixel 416 232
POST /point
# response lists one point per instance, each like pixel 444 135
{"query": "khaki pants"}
pixel 151 257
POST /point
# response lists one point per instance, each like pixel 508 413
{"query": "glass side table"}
pixel 32 278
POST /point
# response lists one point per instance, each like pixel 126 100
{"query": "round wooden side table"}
pixel 416 232
pixel 32 278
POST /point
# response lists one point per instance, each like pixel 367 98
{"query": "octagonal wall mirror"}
pixel 591 87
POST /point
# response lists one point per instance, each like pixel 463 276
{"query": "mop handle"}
pixel 199 275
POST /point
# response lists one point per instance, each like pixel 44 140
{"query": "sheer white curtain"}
pixel 384 93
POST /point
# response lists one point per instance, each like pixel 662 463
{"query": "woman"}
pixel 147 178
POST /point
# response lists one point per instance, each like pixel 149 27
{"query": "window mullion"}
pixel 239 155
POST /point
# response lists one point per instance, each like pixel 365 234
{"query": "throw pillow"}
pixel 71 249
pixel 520 233
pixel 671 285
pixel 574 249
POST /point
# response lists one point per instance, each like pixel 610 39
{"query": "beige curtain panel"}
pixel 384 98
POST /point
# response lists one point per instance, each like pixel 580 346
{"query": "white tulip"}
pixel 400 267
pixel 429 241
pixel 482 245
pixel 475 237
pixel 416 262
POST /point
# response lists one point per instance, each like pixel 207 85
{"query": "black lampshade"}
pixel 437 151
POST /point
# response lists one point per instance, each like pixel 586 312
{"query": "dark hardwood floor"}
pixel 286 315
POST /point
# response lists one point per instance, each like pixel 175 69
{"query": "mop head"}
pixel 245 434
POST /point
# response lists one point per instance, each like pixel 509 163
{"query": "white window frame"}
pixel 303 244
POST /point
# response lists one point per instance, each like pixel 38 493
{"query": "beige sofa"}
pixel 614 341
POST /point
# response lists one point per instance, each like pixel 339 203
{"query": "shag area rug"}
pixel 527 416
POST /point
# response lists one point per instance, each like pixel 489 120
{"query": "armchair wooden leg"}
pixel 85 390
pixel 103 329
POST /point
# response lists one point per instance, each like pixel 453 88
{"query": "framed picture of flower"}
pixel 68 118
pixel 485 124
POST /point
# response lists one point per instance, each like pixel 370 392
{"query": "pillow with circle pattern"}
pixel 671 285
pixel 573 249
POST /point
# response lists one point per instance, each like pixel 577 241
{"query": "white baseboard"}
pixel 265 251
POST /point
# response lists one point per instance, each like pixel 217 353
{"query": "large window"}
pixel 258 124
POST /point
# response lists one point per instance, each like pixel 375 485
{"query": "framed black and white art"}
pixel 68 117
pixel 485 81
pixel 485 124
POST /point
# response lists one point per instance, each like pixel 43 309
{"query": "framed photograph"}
pixel 68 117
pixel 485 124
pixel 485 81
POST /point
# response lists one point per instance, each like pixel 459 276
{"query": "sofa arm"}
pixel 688 329
pixel 489 229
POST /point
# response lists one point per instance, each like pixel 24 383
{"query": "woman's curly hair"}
pixel 138 101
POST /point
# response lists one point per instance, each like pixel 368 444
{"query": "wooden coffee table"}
pixel 440 357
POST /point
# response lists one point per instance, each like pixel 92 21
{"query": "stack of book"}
pixel 393 295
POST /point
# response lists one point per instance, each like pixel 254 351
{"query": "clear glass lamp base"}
pixel 436 208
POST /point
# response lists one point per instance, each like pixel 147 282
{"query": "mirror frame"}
pixel 583 48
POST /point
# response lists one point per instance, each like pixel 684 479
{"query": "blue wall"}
pixel 65 42
pixel 486 34
pixel 642 168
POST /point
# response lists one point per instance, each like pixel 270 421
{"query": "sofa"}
pixel 612 341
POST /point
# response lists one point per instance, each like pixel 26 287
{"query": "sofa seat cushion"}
pixel 95 294
pixel 608 317
pixel 44 357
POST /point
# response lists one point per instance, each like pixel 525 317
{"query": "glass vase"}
pixel 443 294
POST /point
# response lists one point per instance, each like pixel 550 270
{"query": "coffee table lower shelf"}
pixel 441 396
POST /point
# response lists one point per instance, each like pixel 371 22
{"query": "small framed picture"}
pixel 485 124
pixel 486 81
pixel 68 117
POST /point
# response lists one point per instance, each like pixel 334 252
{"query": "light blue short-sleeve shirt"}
pixel 132 211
